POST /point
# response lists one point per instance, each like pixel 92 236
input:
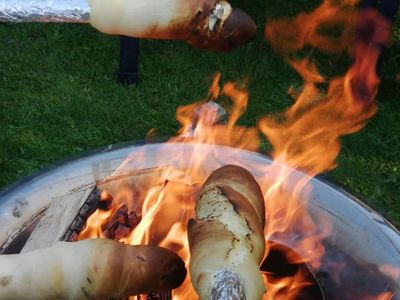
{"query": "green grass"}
pixel 58 97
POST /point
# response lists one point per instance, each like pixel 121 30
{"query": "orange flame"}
pixel 391 271
pixel 383 296
pixel 284 289
pixel 200 122
pixel 305 136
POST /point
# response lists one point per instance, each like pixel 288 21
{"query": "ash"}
pixel 227 286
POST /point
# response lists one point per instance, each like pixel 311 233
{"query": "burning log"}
pixel 64 218
pixel 120 224
pixel 230 219
pixel 89 269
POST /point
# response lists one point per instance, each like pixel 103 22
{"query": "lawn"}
pixel 58 97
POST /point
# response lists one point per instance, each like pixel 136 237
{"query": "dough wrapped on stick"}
pixel 89 269
pixel 207 24
pixel 226 240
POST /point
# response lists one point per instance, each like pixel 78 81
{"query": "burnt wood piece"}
pixel 64 218
pixel 121 223
pixel 15 244
pixel 79 223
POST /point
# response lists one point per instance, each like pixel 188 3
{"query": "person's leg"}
pixel 128 72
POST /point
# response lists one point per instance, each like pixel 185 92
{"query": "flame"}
pixel 383 296
pixel 286 288
pixel 391 271
pixel 201 121
pixel 169 193
pixel 305 136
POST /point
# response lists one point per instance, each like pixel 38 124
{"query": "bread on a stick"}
pixel 226 240
pixel 89 269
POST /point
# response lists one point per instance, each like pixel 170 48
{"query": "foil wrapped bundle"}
pixel 66 11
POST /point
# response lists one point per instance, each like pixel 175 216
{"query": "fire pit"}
pixel 244 226
pixel 361 256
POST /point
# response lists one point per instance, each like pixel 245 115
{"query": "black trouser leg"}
pixel 128 72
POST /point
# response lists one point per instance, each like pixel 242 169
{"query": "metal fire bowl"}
pixel 363 244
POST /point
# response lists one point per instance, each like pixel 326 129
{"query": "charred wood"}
pixel 121 223
pixel 88 208
pixel 64 218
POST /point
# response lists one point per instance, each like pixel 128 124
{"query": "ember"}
pixel 120 224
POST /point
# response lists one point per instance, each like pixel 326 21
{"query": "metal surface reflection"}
pixel 362 240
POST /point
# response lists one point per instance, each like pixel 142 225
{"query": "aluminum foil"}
pixel 227 286
pixel 60 11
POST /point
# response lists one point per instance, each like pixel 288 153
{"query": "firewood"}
pixel 226 240
pixel 121 223
pixel 89 269
pixel 64 218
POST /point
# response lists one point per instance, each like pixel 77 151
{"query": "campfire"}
pixel 203 216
